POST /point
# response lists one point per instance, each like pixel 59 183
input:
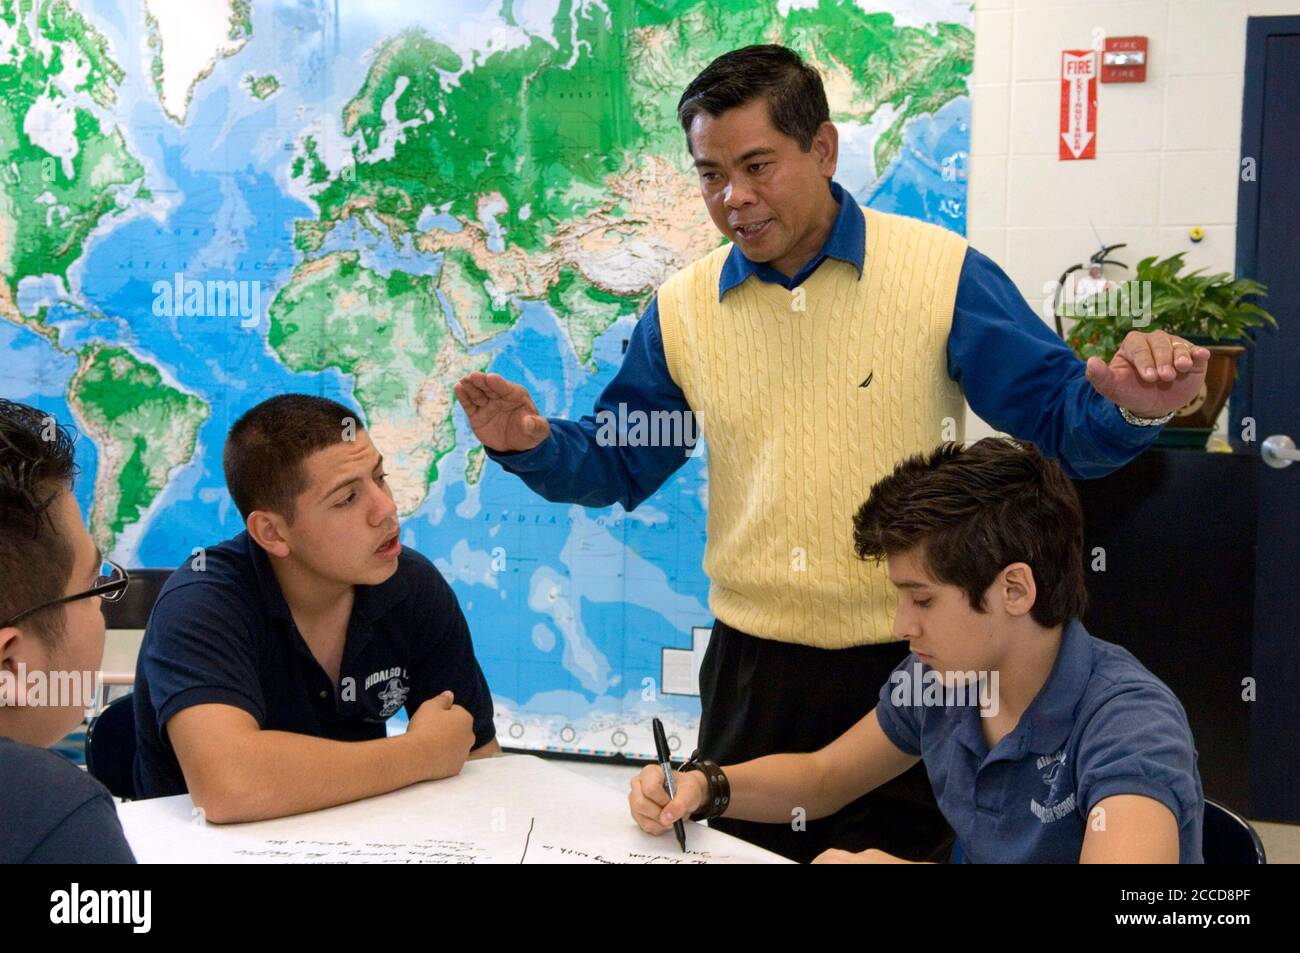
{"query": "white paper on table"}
pixel 506 810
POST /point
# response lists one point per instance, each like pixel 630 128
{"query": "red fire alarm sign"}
pixel 1124 60
pixel 1078 104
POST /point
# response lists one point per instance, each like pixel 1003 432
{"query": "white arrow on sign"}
pixel 1077 135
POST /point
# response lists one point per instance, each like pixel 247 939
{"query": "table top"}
pixel 505 809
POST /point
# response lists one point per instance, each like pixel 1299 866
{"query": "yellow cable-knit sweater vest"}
pixel 794 441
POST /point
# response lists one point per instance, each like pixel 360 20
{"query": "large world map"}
pixel 204 203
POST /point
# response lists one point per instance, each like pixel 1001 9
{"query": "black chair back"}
pixel 110 747
pixel 110 737
pixel 1228 838
pixel 132 610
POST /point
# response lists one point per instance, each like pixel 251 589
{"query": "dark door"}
pixel 1268 249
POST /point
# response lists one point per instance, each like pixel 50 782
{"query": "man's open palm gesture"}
pixel 502 414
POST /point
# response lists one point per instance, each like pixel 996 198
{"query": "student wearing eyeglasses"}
pixel 52 579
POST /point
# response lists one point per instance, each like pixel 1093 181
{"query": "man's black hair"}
pixel 793 90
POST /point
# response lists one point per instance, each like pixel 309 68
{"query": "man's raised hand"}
pixel 1151 374
pixel 502 414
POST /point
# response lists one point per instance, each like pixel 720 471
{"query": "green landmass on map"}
pixel 262 87
pixel 51 203
pixel 143 427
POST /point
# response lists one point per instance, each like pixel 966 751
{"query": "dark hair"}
pixel 37 466
pixel 976 511
pixel 792 88
pixel 264 452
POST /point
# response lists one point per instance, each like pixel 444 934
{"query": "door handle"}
pixel 1279 451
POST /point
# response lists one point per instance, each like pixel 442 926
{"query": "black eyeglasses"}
pixel 110 585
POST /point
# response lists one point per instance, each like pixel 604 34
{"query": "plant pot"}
pixel 1194 422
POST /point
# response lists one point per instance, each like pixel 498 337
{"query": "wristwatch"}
pixel 1137 421
pixel 719 787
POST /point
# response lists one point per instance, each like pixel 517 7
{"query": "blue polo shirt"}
pixel 222 633
pixel 1015 372
pixel 52 812
pixel 1101 725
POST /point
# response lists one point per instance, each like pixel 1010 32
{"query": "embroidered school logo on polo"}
pixel 393 694
pixel 1054 777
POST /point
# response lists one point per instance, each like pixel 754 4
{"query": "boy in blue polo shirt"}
pixel 1042 743
pixel 272 661
pixel 52 578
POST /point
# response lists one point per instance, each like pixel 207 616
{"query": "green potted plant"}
pixel 1211 310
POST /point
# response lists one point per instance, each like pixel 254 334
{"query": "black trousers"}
pixel 761 697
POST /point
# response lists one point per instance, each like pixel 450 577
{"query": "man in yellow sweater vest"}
pixel 822 345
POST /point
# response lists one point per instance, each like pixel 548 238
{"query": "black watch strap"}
pixel 719 787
